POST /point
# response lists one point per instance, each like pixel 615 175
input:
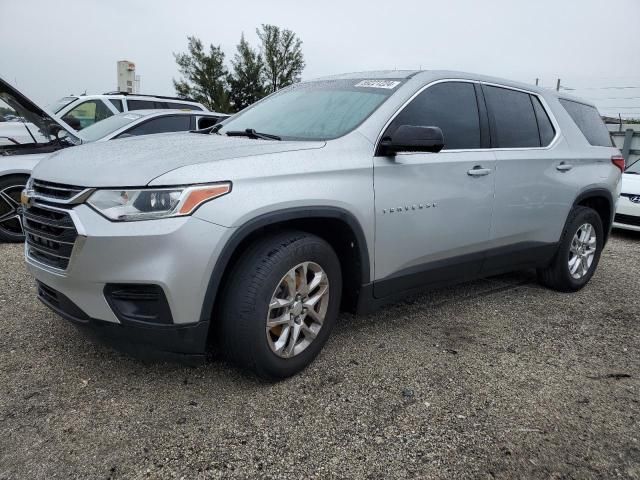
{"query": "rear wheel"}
pixel 280 304
pixel 578 253
pixel 10 210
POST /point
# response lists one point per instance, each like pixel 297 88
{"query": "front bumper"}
pixel 177 255
pixel 627 215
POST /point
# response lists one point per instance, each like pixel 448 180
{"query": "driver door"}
pixel 433 210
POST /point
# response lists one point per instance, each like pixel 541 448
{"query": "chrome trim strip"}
pixel 74 200
pixel 545 105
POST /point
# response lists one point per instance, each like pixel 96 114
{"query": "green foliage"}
pixel 246 80
pixel 204 76
pixel 283 58
pixel 253 75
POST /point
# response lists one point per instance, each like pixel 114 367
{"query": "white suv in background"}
pixel 80 111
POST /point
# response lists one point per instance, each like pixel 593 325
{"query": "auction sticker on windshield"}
pixel 388 84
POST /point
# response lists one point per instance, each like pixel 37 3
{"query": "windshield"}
pixel 634 167
pixel 314 110
pixel 55 107
pixel 109 125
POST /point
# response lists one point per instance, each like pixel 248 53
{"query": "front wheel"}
pixel 280 304
pixel 578 254
pixel 10 210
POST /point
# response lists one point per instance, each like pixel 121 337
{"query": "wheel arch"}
pixel 600 200
pixel 337 226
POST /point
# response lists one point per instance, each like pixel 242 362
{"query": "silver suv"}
pixel 346 192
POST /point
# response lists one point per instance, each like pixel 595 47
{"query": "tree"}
pixel 246 81
pixel 205 76
pixel 282 56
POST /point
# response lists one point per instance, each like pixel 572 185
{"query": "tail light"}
pixel 618 161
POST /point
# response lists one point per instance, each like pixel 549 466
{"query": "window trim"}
pixel 545 105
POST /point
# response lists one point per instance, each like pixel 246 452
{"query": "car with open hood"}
pixel 38 133
pixel 346 192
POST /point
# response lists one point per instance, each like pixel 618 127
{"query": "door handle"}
pixel 478 171
pixel 564 167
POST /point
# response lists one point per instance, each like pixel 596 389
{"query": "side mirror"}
pixel 410 138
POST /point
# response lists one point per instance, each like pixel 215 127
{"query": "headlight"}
pixel 149 203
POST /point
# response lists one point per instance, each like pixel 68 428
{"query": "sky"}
pixel 51 49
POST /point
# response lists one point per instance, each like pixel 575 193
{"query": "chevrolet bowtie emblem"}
pixel 25 199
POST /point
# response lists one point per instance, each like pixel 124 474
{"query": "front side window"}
pixel 513 117
pixel 452 106
pixel 321 110
pixel 589 122
pixel 87 113
pixel 175 123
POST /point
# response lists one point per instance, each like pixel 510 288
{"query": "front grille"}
pixel 56 191
pixel 50 235
pixel 627 219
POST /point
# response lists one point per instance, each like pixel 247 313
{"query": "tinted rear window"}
pixel 589 122
pixel 513 116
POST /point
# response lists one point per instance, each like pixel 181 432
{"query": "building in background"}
pixel 127 81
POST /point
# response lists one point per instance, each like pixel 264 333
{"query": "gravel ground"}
pixel 492 379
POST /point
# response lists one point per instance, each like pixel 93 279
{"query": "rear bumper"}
pixel 173 342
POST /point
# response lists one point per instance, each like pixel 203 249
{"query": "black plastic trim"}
pixel 599 192
pixel 174 342
pixel 453 271
pixel 296 213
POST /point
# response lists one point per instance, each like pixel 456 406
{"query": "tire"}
pixel 263 274
pixel 10 222
pixel 559 275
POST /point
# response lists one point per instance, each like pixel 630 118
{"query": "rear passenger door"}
pixel 533 191
pixel 433 210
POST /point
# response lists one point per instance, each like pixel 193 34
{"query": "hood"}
pixel 631 183
pixel 137 161
pixel 40 128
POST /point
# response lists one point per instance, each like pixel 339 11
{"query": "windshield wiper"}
pixel 251 133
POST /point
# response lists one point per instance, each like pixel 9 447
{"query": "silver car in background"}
pixel 346 192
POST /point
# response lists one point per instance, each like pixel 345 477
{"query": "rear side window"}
pixel 547 132
pixel 513 117
pixel 175 123
pixel 589 122
pixel 116 103
pixel 452 106
pixel 141 104
pixel 183 106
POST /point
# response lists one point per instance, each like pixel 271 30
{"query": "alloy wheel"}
pixel 297 309
pixel 582 251
pixel 10 210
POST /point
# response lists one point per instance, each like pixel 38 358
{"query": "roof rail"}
pixel 164 97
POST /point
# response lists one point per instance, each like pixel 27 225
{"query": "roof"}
pixel 427 75
pixel 378 74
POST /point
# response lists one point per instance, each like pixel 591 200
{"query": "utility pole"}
pixel 558 86
pixel 537 79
